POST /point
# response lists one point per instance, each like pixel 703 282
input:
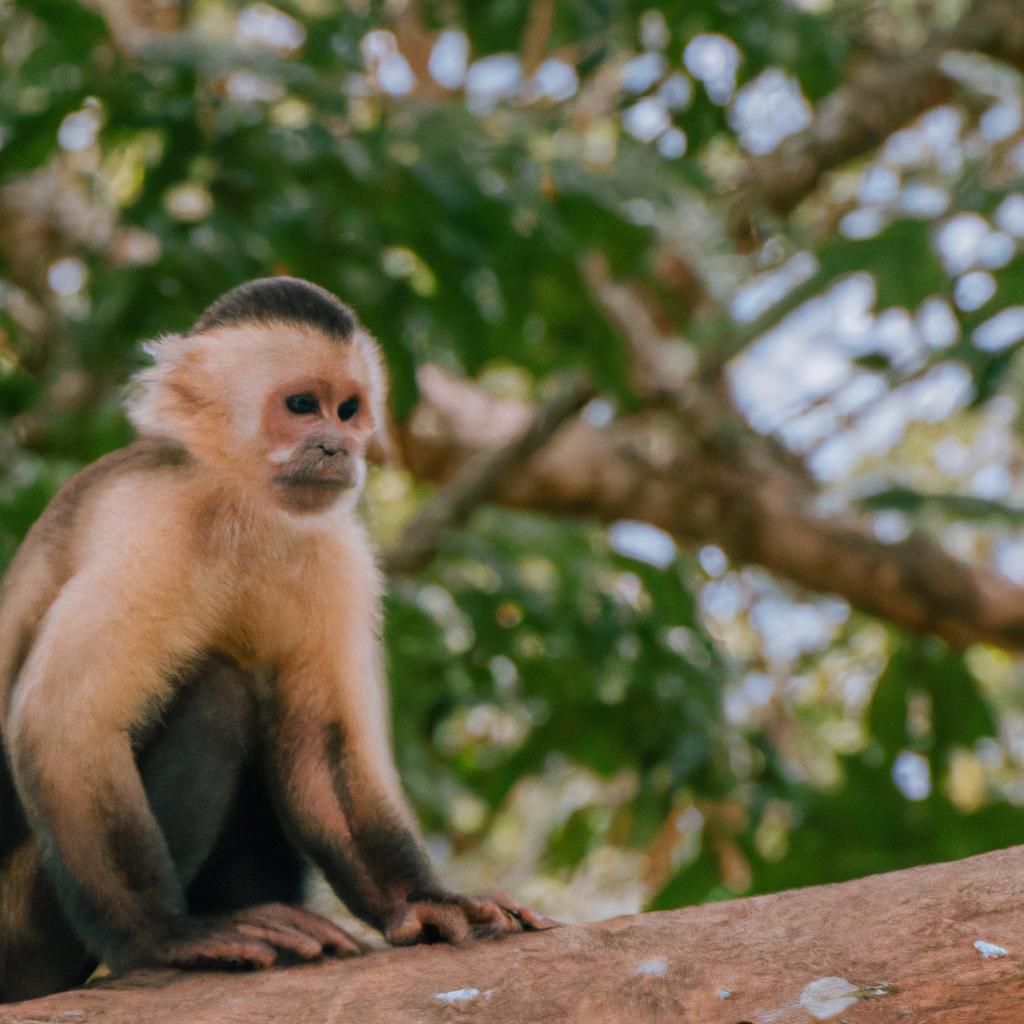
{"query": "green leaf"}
pixel 873 361
pixel 887 712
pixel 953 506
pixel 900 258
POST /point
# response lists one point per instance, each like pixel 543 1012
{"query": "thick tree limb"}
pixel 710 480
pixel 476 480
pixel 763 499
pixel 880 97
pixel 941 943
pixel 537 35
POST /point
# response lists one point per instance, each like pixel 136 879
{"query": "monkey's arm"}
pixel 84 685
pixel 341 800
pixel 100 664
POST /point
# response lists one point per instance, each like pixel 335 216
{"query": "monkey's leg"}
pixel 204 784
pixel 253 861
pixel 256 875
pixel 191 764
pixel 39 952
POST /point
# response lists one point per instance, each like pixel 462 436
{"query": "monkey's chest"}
pixel 278 613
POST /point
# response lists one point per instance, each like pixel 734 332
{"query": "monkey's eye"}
pixel 348 408
pixel 301 405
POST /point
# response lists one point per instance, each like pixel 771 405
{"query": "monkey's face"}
pixel 317 428
pixel 316 420
pixel 301 409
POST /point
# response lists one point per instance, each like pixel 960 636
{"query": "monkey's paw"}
pixel 332 940
pixel 252 939
pixel 449 917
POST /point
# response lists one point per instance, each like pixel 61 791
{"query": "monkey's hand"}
pixel 251 939
pixel 450 917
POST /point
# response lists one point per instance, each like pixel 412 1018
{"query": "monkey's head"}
pixel 276 384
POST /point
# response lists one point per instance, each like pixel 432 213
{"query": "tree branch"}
pixel 476 480
pixel 537 35
pixel 712 480
pixel 882 96
pixel 933 943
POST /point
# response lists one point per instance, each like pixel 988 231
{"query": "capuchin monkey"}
pixel 193 691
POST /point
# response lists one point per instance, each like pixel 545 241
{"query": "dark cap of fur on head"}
pixel 280 298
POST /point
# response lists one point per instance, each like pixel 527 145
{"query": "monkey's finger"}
pixel 288 940
pixel 429 922
pixel 334 940
pixel 217 952
pixel 529 920
pixel 403 930
pixel 488 918
pixel 406 929
pixel 443 921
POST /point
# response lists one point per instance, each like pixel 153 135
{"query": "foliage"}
pixel 177 163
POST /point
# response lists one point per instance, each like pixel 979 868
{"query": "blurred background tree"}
pixel 745 614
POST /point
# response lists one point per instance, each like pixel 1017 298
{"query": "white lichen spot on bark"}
pixel 656 965
pixel 462 995
pixel 827 997
pixel 989 950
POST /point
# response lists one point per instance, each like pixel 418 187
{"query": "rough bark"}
pixel 700 474
pixel 880 97
pixel 477 480
pixel 889 949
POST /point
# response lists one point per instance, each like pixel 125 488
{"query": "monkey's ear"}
pixel 171 398
pixel 145 399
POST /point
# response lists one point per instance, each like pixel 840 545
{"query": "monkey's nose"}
pixel 330 450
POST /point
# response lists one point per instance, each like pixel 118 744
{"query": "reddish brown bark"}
pixel 703 476
pixel 889 949
pixel 879 97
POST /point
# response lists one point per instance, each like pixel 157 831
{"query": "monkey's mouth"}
pixel 339 479
pixel 317 472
